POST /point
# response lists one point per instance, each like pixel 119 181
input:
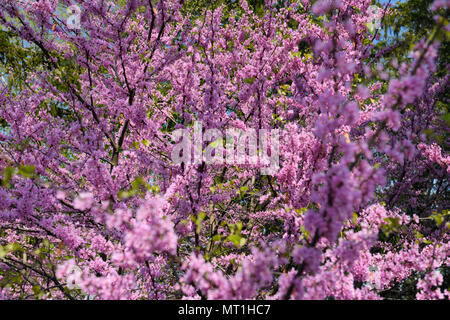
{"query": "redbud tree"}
pixel 92 205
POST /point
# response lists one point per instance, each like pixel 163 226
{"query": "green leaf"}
pixel 26 171
pixel 354 217
pixel 446 118
pixel 235 236
pixel 249 80
pixel 243 189
pixel 135 145
pixel 215 143
pixel 8 173
pixel 135 188
pixel 392 225
pixel 3 252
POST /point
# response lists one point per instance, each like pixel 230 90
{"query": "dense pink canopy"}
pixel 92 204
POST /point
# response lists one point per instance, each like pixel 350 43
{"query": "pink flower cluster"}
pixel 92 207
